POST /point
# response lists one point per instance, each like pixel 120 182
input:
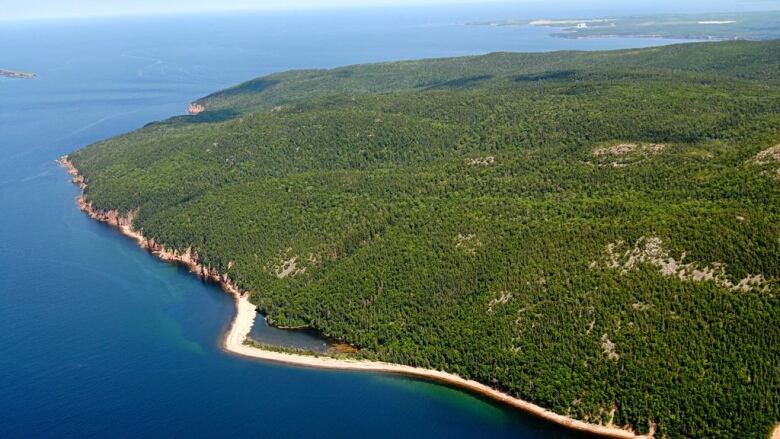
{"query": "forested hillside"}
pixel 598 233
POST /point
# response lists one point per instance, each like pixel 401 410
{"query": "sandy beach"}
pixel 246 313
pixel 235 339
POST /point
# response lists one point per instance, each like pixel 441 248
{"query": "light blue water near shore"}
pixel 99 339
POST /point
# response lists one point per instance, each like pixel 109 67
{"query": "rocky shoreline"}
pixel 124 223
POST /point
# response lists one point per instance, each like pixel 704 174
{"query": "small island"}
pixel 16 75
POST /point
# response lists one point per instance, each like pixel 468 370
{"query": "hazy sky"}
pixel 18 9
pixel 36 9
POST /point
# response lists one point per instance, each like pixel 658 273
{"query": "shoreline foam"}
pixel 234 340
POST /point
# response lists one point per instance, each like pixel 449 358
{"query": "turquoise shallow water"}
pixel 99 339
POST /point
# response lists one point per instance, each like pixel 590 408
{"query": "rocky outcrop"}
pixel 76 178
pixel 769 160
pixel 196 108
pixel 652 250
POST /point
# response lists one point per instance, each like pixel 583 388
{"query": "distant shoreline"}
pixel 235 339
pixel 704 26
pixel 565 31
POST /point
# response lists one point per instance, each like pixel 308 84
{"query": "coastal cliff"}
pixel 124 223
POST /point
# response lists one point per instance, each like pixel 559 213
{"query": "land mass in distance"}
pixel 16 75
pixel 710 26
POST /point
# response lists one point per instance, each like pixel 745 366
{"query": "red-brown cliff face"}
pixel 189 257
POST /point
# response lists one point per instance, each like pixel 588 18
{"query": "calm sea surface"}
pixel 99 339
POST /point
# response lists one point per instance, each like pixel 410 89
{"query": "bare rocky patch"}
pixel 625 154
pixel 287 267
pixel 482 161
pixel 314 259
pixel 770 160
pixel 468 243
pixel 651 251
pixel 609 347
pixel 590 326
pixel 616 150
pixel 768 156
pixel 502 298
pixel 639 306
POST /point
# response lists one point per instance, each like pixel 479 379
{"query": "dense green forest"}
pixel 588 231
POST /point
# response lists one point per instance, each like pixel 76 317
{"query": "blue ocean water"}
pixel 99 339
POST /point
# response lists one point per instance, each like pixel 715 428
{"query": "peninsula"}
pixel 16 75
pixel 588 236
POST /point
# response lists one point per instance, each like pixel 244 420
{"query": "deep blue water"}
pixel 99 339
